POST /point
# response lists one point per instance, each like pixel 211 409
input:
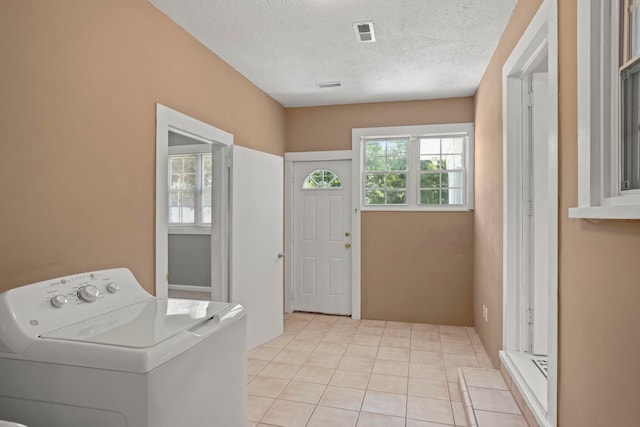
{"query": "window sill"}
pixel 189 230
pixel 606 212
pixel 415 209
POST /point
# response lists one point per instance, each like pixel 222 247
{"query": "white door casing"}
pixel 257 238
pixel 540 211
pixel 167 120
pixel 538 44
pixel 322 240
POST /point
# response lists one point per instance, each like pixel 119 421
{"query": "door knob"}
pixel 347 245
pixel 347 234
pixel 280 255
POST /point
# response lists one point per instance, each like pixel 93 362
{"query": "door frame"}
pixel 167 120
pixel 540 39
pixel 289 160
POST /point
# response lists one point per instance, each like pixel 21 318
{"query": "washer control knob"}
pixel 58 300
pixel 113 287
pixel 88 293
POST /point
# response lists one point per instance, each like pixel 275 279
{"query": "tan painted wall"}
pixel 488 192
pixel 79 84
pixel 415 266
pixel 599 283
pixel 599 290
pixel 418 267
pixel 329 128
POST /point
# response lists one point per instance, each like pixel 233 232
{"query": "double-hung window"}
pixel 190 184
pixel 608 109
pixel 415 167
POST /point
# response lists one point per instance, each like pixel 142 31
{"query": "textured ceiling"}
pixel 425 49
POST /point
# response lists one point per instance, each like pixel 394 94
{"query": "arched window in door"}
pixel 322 179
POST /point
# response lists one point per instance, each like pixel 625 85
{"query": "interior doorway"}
pixel 195 205
pixel 246 249
pixel 192 207
pixel 531 216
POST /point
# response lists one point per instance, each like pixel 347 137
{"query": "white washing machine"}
pixel 96 350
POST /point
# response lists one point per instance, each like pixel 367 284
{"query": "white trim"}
pixel 188 229
pixel 420 208
pixel 167 120
pixel 288 234
pixel 190 149
pixel 605 212
pixel 528 394
pixel 540 35
pixel 314 156
pixel 552 180
pixel 412 132
pixel 598 116
pixel 190 288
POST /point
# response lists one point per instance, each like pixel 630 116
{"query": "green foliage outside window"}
pixel 322 179
pixel 385 177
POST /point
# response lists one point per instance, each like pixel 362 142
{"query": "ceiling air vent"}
pixel 364 32
pixel 328 85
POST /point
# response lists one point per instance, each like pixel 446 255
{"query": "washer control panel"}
pixel 80 289
pixel 52 304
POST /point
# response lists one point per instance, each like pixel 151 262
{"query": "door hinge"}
pixel 530 316
pixel 530 99
pixel 530 207
pixel 228 161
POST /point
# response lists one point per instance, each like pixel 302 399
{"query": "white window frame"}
pixel 599 195
pixel 198 227
pixel 360 135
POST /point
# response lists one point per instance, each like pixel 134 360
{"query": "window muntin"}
pixel 385 171
pixel 190 186
pixel 322 179
pixel 441 170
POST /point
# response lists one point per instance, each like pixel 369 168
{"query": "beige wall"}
pixel 599 283
pixel 415 266
pixel 487 273
pixel 79 84
pixel 418 267
pixel 329 128
pixel 599 288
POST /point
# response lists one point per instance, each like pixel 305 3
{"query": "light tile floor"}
pixel 334 371
pixel 490 400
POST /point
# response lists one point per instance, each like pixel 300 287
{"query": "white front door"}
pixel 256 239
pixel 322 237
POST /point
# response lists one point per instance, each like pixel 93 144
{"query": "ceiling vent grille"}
pixel 328 85
pixel 364 32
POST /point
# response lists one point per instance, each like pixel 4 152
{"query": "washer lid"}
pixel 142 324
